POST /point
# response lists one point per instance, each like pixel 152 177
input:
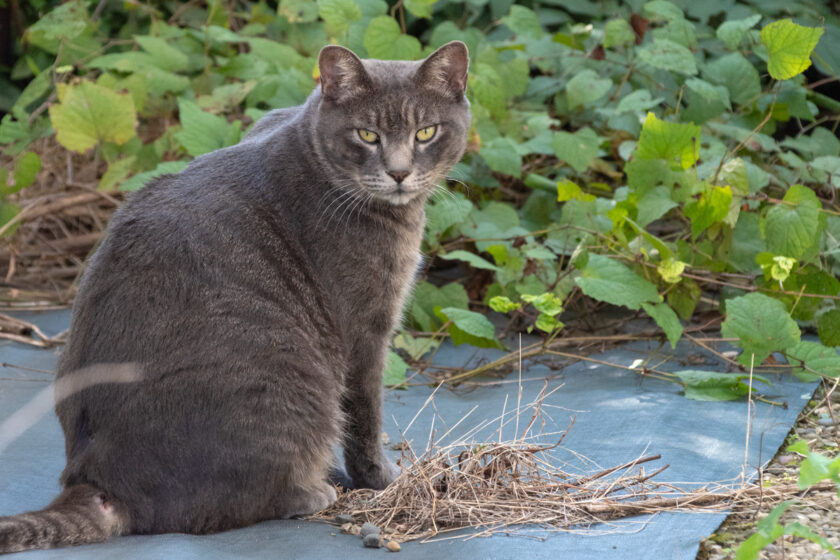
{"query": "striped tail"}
pixel 81 514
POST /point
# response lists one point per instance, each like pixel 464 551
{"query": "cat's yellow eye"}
pixel 368 135
pixel 425 134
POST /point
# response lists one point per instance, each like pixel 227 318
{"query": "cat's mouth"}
pixel 399 195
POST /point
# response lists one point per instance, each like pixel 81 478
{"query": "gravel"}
pixel 819 511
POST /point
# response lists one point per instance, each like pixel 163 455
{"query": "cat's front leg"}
pixel 364 456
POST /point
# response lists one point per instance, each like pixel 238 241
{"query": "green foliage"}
pixel 814 468
pixel 761 325
pixel 715 386
pixel 639 168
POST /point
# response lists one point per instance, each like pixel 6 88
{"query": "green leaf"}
pixel 338 14
pixel 487 88
pixel 427 297
pixel 502 304
pixel 789 47
pixel 8 210
pixel 653 205
pixel 116 173
pixel 799 530
pixel 523 22
pixel 671 270
pixel 761 324
pixel 815 359
pixel 65 22
pixel 637 101
pixel 608 280
pixel 395 368
pixel 471 258
pixel 298 11
pixel 667 319
pixel 617 32
pixel 674 142
pixel 444 212
pixel 416 347
pixel 88 114
pixel 709 92
pixel 568 190
pixel 383 39
pixel 201 132
pixel 470 327
pixel 26 168
pixel 226 98
pixel 828 327
pixel 165 168
pixel 577 149
pixel 715 386
pixel 166 56
pixel 738 75
pixel 501 155
pixel 585 87
pixel 668 55
pixel 793 227
pixel 731 32
pixel 547 323
pixel 662 9
pixel 768 531
pixel 712 207
pixel 547 303
pixel 420 8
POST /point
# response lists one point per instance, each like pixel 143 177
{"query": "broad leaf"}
pixel 668 55
pixel 716 386
pixel 608 280
pixel 383 39
pixel 667 319
pixel 585 87
pixel 673 142
pixel 761 324
pixel 501 155
pixel 577 149
pixel 793 227
pixel 88 114
pixel 789 47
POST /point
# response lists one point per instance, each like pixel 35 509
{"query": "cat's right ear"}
pixel 342 74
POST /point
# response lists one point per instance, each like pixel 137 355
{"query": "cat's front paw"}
pixel 376 475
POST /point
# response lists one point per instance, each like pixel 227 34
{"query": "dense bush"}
pixel 644 154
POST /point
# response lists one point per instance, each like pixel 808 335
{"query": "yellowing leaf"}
pixel 671 270
pixel 789 47
pixel 669 141
pixel 89 114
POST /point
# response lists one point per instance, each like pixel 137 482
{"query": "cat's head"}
pixel 392 130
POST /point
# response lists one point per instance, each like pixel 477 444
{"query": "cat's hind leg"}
pixel 307 500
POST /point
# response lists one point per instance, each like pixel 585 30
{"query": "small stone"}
pixel 825 421
pixel 355 529
pixel 386 439
pixel 343 518
pixel 347 528
pixel 369 529
pixel 393 546
pixel 785 459
pixel 372 540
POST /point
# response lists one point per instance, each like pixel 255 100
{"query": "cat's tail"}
pixel 80 514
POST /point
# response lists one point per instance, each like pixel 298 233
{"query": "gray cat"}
pixel 233 325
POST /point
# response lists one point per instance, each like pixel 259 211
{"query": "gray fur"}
pixel 254 295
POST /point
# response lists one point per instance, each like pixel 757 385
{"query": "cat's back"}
pixel 196 251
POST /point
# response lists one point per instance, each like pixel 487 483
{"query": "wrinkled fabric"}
pixel 619 416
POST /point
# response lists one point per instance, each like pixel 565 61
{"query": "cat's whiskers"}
pixel 340 201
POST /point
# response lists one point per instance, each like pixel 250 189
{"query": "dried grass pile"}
pixel 514 486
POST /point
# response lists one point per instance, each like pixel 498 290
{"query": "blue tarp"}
pixel 619 416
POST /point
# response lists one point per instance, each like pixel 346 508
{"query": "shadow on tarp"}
pixel 619 416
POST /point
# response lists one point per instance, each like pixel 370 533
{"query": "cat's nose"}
pixel 399 175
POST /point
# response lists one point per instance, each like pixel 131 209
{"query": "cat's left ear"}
pixel 445 70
